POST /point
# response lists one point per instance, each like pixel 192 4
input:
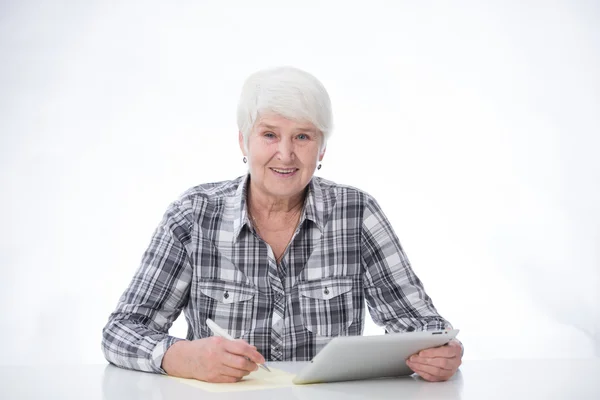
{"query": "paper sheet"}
pixel 257 380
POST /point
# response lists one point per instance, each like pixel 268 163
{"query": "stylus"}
pixel 217 330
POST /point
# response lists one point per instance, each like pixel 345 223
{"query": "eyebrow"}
pixel 263 125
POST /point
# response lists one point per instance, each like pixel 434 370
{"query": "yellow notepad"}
pixel 257 380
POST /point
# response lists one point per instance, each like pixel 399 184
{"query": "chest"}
pixel 315 252
pixel 278 241
pixel 320 290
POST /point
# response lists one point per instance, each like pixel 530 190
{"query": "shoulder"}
pixel 210 192
pixel 337 191
pixel 206 196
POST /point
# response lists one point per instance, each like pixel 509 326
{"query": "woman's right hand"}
pixel 213 359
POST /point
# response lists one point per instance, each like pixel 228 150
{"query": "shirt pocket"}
pixel 326 305
pixel 230 304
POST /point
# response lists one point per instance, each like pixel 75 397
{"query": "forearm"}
pixel 415 324
pixel 136 335
pixel 403 306
pixel 133 345
pixel 396 297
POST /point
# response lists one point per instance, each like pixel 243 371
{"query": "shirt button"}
pixel 226 295
pixel 326 291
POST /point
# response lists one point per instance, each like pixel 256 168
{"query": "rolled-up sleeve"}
pixel 136 335
pixel 394 294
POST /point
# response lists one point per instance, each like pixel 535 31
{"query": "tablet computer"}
pixel 347 358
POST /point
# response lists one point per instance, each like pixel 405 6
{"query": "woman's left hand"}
pixel 437 364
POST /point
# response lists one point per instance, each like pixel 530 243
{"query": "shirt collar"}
pixel 313 206
pixel 238 206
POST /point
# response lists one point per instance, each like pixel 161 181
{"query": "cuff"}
pixel 159 352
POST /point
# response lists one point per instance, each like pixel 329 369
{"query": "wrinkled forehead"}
pixel 276 122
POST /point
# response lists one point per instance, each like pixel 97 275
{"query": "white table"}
pixel 479 380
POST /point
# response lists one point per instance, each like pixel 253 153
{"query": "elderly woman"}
pixel 279 258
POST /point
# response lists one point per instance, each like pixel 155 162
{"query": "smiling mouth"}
pixel 284 171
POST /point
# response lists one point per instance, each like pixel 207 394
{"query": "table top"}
pixel 490 379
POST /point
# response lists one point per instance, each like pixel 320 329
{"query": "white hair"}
pixel 286 91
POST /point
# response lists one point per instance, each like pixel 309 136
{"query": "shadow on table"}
pixel 118 383
pixel 405 388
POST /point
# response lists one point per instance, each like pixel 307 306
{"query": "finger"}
pixel 443 363
pixel 456 346
pixel 223 379
pixel 239 362
pixel 222 374
pixel 233 372
pixel 429 377
pixel 442 351
pixel 429 369
pixel 242 348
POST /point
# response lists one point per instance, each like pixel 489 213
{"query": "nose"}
pixel 286 151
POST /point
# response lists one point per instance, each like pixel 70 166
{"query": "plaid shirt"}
pixel 206 259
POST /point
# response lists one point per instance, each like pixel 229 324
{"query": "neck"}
pixel 267 206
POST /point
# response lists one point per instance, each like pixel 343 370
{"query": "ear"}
pixel 322 154
pixel 242 146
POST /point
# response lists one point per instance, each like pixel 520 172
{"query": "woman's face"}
pixel 282 155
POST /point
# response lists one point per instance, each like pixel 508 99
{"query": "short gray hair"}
pixel 286 91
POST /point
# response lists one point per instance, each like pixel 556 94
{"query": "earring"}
pixel 245 160
pixel 319 166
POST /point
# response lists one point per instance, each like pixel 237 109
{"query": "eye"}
pixel 269 135
pixel 303 136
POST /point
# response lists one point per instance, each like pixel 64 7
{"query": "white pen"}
pixel 218 331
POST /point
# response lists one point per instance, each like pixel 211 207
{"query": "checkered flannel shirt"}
pixel 206 259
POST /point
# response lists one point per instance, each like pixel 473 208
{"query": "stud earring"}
pixel 319 166
pixel 245 160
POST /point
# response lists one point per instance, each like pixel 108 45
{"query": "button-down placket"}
pixel 277 320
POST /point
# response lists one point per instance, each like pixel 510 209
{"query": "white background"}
pixel 475 126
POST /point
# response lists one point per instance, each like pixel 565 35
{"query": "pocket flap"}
pixel 227 291
pixel 325 289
